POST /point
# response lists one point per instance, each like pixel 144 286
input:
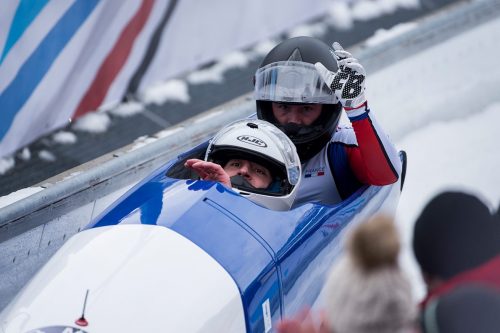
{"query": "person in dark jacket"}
pixel 456 240
pixel 468 308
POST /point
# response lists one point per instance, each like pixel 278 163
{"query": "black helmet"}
pixel 287 74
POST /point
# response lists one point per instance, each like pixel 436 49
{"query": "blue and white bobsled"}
pixel 181 255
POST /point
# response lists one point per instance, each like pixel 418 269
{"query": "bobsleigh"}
pixel 176 254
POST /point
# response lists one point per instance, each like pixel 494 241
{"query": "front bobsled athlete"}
pixel 254 158
pixel 301 87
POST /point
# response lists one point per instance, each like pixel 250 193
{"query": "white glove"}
pixel 348 83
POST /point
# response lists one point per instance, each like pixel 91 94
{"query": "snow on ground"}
pixel 46 156
pixel 461 154
pixel 141 142
pixel 340 15
pixel 64 137
pixel 443 109
pixel 264 47
pixel 127 109
pixel 25 154
pixel 6 163
pixel 381 35
pixel 18 195
pixel 169 132
pixel 173 90
pixel 95 122
pixel 216 72
pixel 311 30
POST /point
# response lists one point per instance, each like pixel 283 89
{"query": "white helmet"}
pixel 263 143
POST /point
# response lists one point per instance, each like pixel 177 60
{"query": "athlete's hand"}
pixel 348 83
pixel 208 171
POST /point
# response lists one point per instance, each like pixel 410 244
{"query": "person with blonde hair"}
pixel 366 291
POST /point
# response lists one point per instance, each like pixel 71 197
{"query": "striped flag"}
pixel 62 58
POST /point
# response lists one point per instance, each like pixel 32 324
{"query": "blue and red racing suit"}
pixel 356 155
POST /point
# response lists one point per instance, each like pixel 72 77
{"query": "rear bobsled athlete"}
pixel 254 158
pixel 301 87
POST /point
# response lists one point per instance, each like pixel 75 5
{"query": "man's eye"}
pixel 261 171
pixel 235 164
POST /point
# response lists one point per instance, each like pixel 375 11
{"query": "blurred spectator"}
pixel 366 290
pixel 468 308
pixel 306 322
pixel 456 240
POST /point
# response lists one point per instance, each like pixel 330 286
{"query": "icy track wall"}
pixel 32 229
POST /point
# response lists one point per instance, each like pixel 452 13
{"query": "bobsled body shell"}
pixel 278 259
pixel 126 278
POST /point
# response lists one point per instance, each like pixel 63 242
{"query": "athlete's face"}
pixel 254 173
pixel 300 114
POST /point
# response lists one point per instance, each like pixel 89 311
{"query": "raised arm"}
pixel 372 157
pixel 208 171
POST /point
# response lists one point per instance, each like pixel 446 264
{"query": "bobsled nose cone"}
pixel 141 278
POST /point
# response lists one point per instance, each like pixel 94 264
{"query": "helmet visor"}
pixel 292 82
